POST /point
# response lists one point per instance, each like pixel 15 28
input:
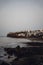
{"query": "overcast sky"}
pixel 18 15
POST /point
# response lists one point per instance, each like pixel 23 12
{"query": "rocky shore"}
pixel 34 35
pixel 25 55
pixel 21 34
pixel 31 55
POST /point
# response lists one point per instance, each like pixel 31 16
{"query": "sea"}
pixel 12 43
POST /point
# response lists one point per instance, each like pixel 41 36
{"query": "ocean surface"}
pixel 12 42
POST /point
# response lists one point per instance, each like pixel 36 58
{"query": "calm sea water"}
pixel 11 42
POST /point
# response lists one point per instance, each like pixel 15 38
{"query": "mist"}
pixel 20 15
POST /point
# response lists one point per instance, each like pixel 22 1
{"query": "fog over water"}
pixel 17 15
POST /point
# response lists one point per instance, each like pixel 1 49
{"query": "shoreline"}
pixel 24 55
pixel 32 54
pixel 37 39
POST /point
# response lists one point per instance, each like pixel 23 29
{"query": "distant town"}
pixel 38 34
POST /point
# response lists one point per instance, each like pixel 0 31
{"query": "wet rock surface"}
pixel 28 61
pixel 24 51
pixel 3 63
pixel 26 55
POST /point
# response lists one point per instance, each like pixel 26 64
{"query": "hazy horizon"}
pixel 18 15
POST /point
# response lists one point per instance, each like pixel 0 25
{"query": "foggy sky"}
pixel 18 15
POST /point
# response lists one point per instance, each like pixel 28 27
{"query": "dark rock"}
pixel 26 55
pixel 32 60
pixel 3 63
pixel 5 54
pixel 21 34
pixel 8 57
pixel 24 52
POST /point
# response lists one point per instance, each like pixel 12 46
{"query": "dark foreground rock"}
pixel 3 63
pixel 35 43
pixel 32 60
pixel 26 55
pixel 22 52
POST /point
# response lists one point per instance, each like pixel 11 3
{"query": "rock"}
pixel 21 34
pixel 26 55
pixel 5 54
pixel 3 63
pixel 32 60
pixel 8 57
pixel 24 51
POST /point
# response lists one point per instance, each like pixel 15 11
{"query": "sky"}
pixel 20 15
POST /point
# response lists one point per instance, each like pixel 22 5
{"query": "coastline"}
pixel 23 55
pixel 26 55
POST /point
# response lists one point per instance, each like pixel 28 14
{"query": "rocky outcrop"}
pixel 17 34
pixel 3 63
pixel 24 52
pixel 25 34
pixel 32 60
pixel 26 56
